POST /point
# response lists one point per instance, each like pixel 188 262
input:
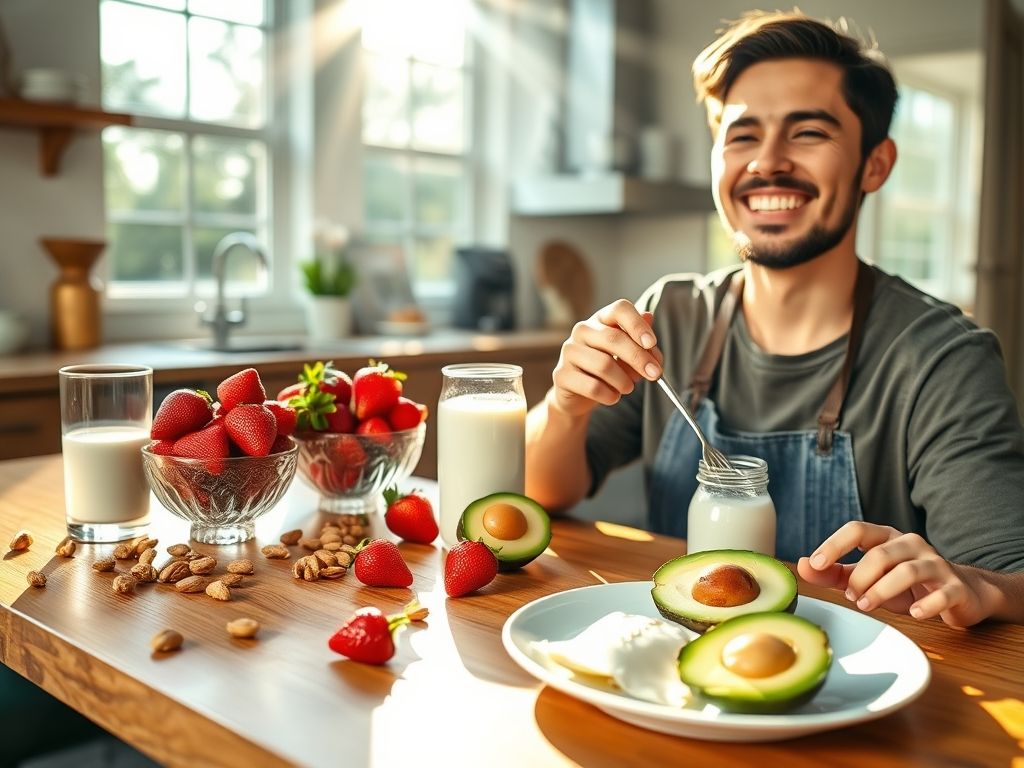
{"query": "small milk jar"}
pixel 481 438
pixel 731 509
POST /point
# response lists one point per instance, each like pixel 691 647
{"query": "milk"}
pixel 717 521
pixel 480 450
pixel 103 478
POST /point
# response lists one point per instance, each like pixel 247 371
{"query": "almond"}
pixel 36 579
pixel 325 558
pixel 67 547
pixel 123 584
pixel 310 543
pixel 218 590
pixel 143 572
pixel 145 544
pixel 291 537
pixel 241 566
pixel 276 552
pixel 178 550
pixel 306 568
pixel 232 579
pixel 22 540
pixel 192 584
pixel 124 551
pixel 202 565
pixel 147 556
pixel 175 571
pixel 166 640
pixel 333 572
pixel 243 628
pixel 104 564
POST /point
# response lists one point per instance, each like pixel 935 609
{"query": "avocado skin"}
pixel 505 563
pixel 707 559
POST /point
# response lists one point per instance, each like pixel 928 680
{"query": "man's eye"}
pixel 740 137
pixel 811 133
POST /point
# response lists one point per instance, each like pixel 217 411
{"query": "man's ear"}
pixel 878 165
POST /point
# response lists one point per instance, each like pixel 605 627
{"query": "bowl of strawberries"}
pixel 221 464
pixel 357 435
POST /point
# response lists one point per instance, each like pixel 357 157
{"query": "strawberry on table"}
pixel 182 411
pixel 284 415
pixel 379 563
pixel 210 442
pixel 410 516
pixel 242 387
pixel 369 636
pixel 406 414
pixel 375 390
pixel 469 566
pixel 252 428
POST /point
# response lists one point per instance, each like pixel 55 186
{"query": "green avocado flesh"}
pixel 674 584
pixel 516 527
pixel 704 663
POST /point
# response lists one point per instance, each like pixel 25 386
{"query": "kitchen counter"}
pixel 29 389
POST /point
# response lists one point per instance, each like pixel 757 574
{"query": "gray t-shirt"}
pixel 937 438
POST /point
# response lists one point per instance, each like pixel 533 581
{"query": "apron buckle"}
pixel 826 427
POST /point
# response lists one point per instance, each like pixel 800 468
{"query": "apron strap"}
pixel 700 384
pixel 828 417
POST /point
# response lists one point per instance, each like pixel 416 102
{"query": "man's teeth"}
pixel 774 202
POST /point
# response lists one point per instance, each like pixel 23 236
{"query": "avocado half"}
pixel 515 527
pixel 704 663
pixel 674 584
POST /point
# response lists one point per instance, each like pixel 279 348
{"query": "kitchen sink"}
pixel 242 344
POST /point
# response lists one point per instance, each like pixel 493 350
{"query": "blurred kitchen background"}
pixel 514 163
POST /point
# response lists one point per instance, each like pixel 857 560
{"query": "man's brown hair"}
pixel 868 85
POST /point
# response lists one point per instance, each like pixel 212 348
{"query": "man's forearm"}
pixel 557 475
pixel 1002 593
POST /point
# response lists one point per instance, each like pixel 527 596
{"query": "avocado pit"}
pixel 726 586
pixel 757 655
pixel 504 521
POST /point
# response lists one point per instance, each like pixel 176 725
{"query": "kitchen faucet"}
pixel 222 321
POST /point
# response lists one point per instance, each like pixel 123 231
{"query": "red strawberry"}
pixel 284 415
pixel 281 443
pixel 348 461
pixel 376 429
pixel 341 420
pixel 210 442
pixel 369 635
pixel 181 412
pixel 292 390
pixel 406 414
pixel 469 566
pixel 380 564
pixel 410 516
pixel 338 384
pixel 375 390
pixel 242 387
pixel 162 447
pixel 252 428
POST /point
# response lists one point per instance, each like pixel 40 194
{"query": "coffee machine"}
pixel 484 289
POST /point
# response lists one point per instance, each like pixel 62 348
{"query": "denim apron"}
pixel 812 478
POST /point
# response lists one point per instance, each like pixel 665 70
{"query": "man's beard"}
pixel 816 242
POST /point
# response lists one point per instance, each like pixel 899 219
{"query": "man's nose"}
pixel 771 158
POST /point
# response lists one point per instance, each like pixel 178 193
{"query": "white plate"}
pixel 876 669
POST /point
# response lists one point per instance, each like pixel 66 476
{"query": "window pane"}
pixel 143 55
pixel 145 253
pixel 242 11
pixel 143 170
pixel 913 243
pixel 437 121
pixel 385 189
pixel 226 73
pixel 432 31
pixel 243 269
pixel 436 193
pixel 171 5
pixel 432 259
pixel 386 104
pixel 228 174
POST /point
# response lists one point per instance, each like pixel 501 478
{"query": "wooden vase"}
pixel 75 321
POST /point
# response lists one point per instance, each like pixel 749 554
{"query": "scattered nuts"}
pixel 123 584
pixel 310 543
pixel 175 571
pixel 306 568
pixel 231 579
pixel 147 556
pixel 291 537
pixel 325 558
pixel 192 584
pixel 143 572
pixel 333 572
pixel 36 579
pixel 218 590
pixel 166 640
pixel 349 549
pixel 67 547
pixel 145 544
pixel 178 550
pixel 331 546
pixel 241 566
pixel 104 564
pixel 243 628
pixel 276 552
pixel 204 564
pixel 350 540
pixel 22 540
pixel 344 559
pixel 124 551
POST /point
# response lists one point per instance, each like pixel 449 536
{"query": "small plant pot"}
pixel 329 317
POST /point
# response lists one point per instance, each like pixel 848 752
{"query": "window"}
pixel 197 167
pixel 417 162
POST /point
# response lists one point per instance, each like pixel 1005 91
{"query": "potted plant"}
pixel 329 277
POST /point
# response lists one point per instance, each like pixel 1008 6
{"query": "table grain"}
pixel 450 696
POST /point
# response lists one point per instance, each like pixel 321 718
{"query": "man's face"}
pixel 786 164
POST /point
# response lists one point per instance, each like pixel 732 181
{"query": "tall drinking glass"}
pixel 105 416
pixel 481 437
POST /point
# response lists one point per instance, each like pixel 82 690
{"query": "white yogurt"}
pixel 719 521
pixel 103 477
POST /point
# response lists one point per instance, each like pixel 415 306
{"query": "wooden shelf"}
pixel 56 124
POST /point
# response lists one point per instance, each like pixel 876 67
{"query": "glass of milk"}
pixel 481 437
pixel 731 509
pixel 105 416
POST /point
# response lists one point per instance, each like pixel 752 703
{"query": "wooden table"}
pixel 450 696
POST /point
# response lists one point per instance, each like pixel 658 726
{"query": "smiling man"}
pixel 891 438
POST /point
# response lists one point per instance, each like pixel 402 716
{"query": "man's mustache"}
pixel 782 180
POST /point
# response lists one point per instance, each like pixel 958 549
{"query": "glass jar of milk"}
pixel 731 509
pixel 481 437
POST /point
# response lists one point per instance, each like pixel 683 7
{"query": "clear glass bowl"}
pixel 221 505
pixel 351 471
